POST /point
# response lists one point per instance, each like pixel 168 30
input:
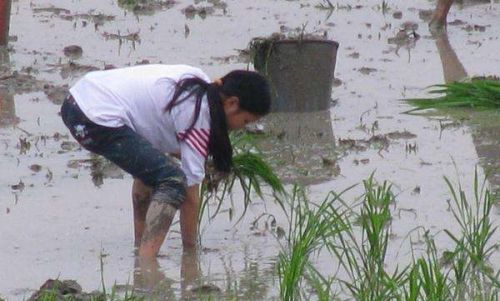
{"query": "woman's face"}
pixel 240 119
pixel 236 117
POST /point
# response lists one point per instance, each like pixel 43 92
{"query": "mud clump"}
pixel 203 11
pixel 56 94
pixel 73 69
pixel 73 52
pixel 133 37
pixel 58 290
pixel 65 14
pixel 146 7
pixel 18 83
pixel 367 70
pixel 191 11
pixel 52 10
pixel 397 14
pixel 425 14
pixel 35 167
pixel 206 289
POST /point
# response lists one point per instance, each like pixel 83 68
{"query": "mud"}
pixel 63 290
pixel 61 210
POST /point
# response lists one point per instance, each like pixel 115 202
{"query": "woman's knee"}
pixel 171 189
pixel 141 193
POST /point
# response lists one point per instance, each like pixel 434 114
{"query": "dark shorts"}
pixel 129 151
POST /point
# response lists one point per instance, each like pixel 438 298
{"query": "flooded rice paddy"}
pixel 63 210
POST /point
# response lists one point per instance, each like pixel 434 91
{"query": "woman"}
pixel 133 116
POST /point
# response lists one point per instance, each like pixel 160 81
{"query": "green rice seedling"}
pixel 481 93
pixel 250 172
pixel 474 276
pixel 434 282
pixel 359 240
pixel 361 251
pixel 310 227
pixel 321 285
pixel 474 221
pixel 410 291
pixel 48 295
pixel 463 273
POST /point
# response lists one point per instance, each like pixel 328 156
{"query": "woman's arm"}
pixel 189 217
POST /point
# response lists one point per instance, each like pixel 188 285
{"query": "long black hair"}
pixel 254 96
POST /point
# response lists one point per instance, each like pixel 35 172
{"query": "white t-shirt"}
pixel 137 97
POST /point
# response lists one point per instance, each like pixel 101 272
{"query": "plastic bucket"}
pixel 301 73
pixel 300 136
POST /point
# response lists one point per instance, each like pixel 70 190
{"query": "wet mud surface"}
pixel 63 210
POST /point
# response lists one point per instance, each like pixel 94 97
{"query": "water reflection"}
pixel 301 144
pixel 248 283
pixel 7 106
pixel 485 125
pixel 252 283
pixel 453 70
pixel 150 281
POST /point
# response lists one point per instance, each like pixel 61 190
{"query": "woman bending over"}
pixel 134 116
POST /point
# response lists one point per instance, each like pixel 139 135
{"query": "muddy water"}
pixel 60 211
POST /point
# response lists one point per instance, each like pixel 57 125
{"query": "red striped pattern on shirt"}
pixel 197 139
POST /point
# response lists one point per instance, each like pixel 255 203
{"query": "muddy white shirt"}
pixel 137 97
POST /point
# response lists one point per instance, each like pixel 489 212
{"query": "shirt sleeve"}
pixel 194 142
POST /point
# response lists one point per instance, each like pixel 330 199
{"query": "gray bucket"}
pixel 301 73
pixel 300 137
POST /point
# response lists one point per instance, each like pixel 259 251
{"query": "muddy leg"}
pixel 141 198
pixel 147 274
pixel 158 220
pixel 438 21
pixel 190 270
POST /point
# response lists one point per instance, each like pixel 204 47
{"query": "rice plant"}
pixel 310 227
pixel 479 93
pixel 250 173
pixel 361 251
pixel 474 277
pixel 358 240
pixel 321 286
pixel 434 281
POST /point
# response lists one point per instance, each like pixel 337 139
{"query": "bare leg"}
pixel 158 220
pixel 438 21
pixel 147 273
pixel 141 198
pixel 190 270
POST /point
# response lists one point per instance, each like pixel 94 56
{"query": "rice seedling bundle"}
pixel 479 93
